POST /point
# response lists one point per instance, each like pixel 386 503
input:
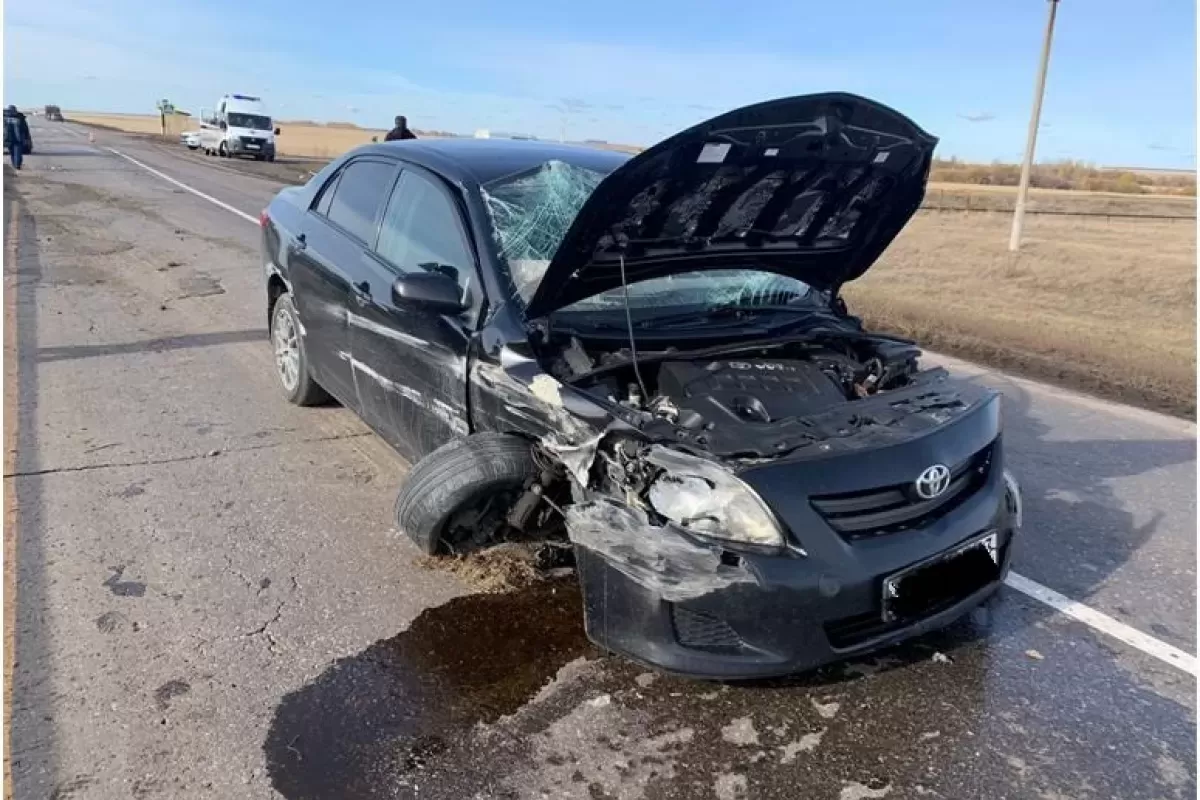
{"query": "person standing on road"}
pixel 16 134
pixel 399 132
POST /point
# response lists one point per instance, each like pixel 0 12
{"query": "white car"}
pixel 191 139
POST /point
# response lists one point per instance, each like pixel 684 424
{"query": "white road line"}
pixel 1061 603
pixel 1103 623
pixel 185 187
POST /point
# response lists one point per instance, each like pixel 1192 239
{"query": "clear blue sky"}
pixel 1122 86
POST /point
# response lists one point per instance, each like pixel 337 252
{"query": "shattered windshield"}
pixel 705 291
pixel 531 214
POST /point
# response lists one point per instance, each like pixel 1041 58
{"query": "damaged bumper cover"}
pixel 716 608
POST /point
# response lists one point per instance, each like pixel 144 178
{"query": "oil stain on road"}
pixel 458 707
pixel 372 718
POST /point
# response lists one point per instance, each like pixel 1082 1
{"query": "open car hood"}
pixel 812 187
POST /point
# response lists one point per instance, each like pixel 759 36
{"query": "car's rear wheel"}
pixel 459 495
pixel 291 360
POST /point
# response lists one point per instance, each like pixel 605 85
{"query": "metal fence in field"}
pixel 1095 206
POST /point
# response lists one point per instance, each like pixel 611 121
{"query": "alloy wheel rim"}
pixel 287 350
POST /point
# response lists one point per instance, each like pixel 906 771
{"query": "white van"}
pixel 240 126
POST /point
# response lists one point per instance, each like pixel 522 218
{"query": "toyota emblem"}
pixel 932 482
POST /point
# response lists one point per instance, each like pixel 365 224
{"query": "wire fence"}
pixel 1053 213
pixel 1095 206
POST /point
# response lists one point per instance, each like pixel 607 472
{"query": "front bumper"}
pixel 240 147
pixel 801 611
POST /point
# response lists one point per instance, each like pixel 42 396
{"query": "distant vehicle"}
pixel 240 126
pixel 191 139
pixel 54 114
pixel 768 487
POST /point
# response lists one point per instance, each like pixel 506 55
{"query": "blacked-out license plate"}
pixel 942 581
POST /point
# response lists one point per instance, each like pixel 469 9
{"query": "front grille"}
pixel 703 631
pixel 890 509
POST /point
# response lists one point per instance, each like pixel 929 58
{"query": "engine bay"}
pixel 759 390
pixel 753 398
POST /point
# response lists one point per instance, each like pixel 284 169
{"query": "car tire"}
pixel 271 157
pixel 291 358
pixel 222 151
pixel 457 476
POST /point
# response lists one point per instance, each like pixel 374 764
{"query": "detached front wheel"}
pixel 459 495
pixel 291 360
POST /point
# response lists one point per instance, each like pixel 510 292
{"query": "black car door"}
pixel 325 262
pixel 415 359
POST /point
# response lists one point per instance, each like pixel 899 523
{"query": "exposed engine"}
pixel 758 390
pixel 757 384
pixel 711 394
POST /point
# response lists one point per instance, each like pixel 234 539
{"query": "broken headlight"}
pixel 705 498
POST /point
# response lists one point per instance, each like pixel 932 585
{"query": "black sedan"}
pixel 650 358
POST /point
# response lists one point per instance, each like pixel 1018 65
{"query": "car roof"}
pixel 482 161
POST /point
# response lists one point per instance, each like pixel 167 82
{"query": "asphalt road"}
pixel 211 600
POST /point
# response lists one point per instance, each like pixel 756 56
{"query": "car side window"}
pixel 322 206
pixel 421 231
pixel 360 192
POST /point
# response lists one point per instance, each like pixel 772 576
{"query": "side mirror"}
pixel 433 292
pixel 277 131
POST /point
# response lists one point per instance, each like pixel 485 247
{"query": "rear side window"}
pixel 421 231
pixel 322 206
pixel 358 196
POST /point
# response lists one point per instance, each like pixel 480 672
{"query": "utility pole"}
pixel 1014 242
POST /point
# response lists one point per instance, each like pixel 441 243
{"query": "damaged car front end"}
pixel 753 484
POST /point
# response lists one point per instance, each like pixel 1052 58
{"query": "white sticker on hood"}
pixel 713 153
pixel 881 157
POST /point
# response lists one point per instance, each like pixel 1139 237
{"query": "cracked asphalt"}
pixel 210 600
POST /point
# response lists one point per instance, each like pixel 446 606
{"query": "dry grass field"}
pixel 1102 303
pixel 1106 306
pixel 976 197
pixel 303 139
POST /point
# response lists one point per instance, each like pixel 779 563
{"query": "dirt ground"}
pixel 1108 306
